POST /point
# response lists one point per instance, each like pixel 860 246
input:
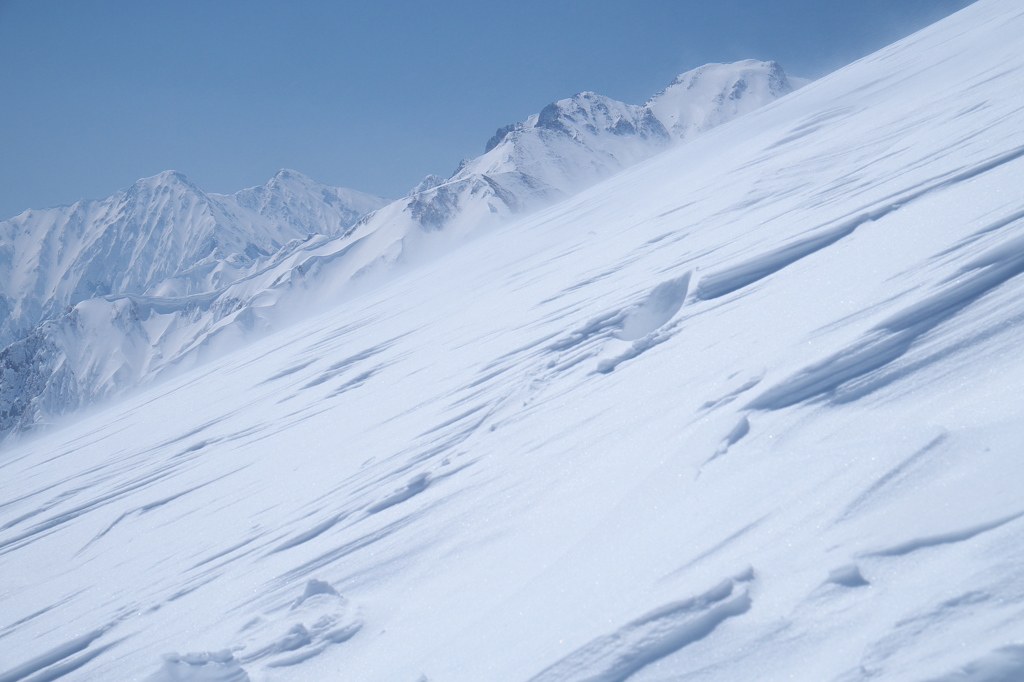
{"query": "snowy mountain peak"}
pixel 588 113
pixel 164 182
pixel 731 89
pixel 287 177
pixel 288 174
pixel 305 205
pixel 167 177
pixel 574 142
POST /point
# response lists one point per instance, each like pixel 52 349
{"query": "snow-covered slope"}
pixel 162 236
pixel 110 295
pixel 750 410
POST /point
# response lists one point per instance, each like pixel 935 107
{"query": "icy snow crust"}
pixel 750 410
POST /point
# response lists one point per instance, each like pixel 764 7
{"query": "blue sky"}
pixel 373 96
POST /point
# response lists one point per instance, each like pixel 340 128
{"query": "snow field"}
pixel 748 410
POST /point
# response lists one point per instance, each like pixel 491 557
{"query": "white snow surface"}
pixel 748 410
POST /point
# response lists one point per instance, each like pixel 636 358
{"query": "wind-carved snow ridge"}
pixel 734 436
pixel 202 666
pixel 951 537
pixel 1005 664
pixel 657 308
pixel 620 655
pixel 644 325
pixel 741 275
pixel 856 371
pixel 717 284
pixel 847 576
pixel 318 619
pixel 61 660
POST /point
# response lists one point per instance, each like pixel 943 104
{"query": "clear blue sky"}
pixel 369 95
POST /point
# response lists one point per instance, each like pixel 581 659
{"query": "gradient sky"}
pixel 369 95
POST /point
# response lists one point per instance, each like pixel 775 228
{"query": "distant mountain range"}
pixel 102 296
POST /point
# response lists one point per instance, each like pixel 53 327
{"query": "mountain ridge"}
pixel 200 265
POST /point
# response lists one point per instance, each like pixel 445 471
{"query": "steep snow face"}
pixel 155 229
pixel 750 410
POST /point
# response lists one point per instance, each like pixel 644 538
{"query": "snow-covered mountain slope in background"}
pixel 71 278
pixel 167 272
pixel 573 143
pixel 162 236
pixel 570 145
pixel 291 199
pixel 733 90
pixel 750 410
